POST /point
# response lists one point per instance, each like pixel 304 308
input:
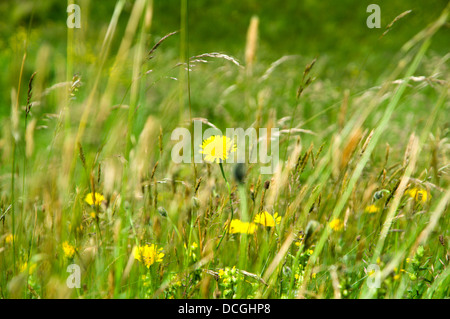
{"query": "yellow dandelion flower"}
pixel 217 148
pixel 221 273
pixel 314 275
pixel 336 224
pixel 69 250
pixel 266 219
pixel 240 227
pixel 372 209
pixel 96 199
pixel 419 195
pixel 148 254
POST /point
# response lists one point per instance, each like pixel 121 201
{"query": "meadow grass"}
pixel 87 175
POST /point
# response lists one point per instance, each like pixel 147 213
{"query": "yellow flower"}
pixel 69 250
pixel 145 280
pixel 98 199
pixel 314 275
pixel 266 219
pixel 221 273
pixel 419 195
pixel 194 246
pixel 217 148
pixel 9 238
pixel 371 209
pixel 24 267
pixel 239 227
pixel 300 239
pixel 148 254
pixel 336 224
pixel 397 273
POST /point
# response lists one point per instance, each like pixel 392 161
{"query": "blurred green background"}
pixel 335 32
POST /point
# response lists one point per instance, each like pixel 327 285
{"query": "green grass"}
pixel 101 117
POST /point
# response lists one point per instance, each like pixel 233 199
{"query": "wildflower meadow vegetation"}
pixel 93 203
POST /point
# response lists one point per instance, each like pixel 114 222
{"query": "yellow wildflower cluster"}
pixel 397 273
pixel 148 254
pixel 372 209
pixel 68 249
pixel 193 246
pixel 29 268
pixel 145 281
pixel 223 272
pixel 229 280
pixel 96 199
pixel 299 239
pixel 336 224
pixel 192 251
